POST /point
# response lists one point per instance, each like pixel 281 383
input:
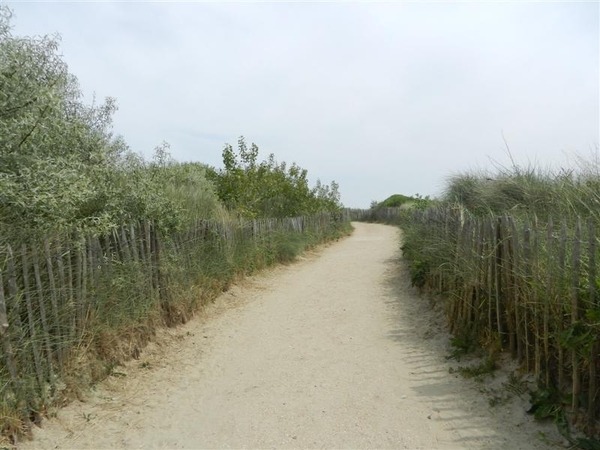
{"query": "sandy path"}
pixel 332 352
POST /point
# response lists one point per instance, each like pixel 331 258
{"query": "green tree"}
pixel 61 166
pixel 269 188
pixel 54 150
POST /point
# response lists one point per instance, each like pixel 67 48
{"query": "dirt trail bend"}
pixel 334 351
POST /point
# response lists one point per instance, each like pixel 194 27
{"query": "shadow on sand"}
pixel 419 328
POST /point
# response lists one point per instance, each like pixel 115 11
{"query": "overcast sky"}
pixel 382 97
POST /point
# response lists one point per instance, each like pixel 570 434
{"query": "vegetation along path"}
pixel 334 351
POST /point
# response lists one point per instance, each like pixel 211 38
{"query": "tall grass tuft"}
pixel 530 190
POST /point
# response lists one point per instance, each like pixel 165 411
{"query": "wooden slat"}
pixel 31 319
pixel 3 314
pixel 480 274
pixel 43 314
pixel 515 289
pixel 592 303
pixel 575 369
pixel 559 308
pixel 489 261
pixel 124 245
pixel 526 304
pixel 537 309
pixel 547 299
pixel 5 337
pixel 54 303
pixel 497 269
pixel 508 288
pixel 134 249
pixel 71 254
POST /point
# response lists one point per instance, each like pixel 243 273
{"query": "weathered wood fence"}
pixel 52 291
pixel 529 287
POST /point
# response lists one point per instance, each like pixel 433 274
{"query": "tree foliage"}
pixel 268 188
pixel 60 164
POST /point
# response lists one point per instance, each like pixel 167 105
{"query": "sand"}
pixel 333 351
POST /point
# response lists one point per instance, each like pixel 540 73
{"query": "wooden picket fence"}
pixel 531 288
pixel 53 290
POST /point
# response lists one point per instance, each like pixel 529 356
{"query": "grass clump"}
pixel 486 367
pixel 530 190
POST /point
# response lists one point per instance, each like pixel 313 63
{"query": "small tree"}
pixel 269 188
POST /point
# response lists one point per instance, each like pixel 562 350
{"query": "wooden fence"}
pixel 530 288
pixel 53 290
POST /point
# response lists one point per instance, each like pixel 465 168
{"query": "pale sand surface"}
pixel 334 351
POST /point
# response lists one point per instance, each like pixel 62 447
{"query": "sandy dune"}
pixel 334 351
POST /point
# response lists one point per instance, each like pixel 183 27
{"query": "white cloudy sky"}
pixel 382 97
